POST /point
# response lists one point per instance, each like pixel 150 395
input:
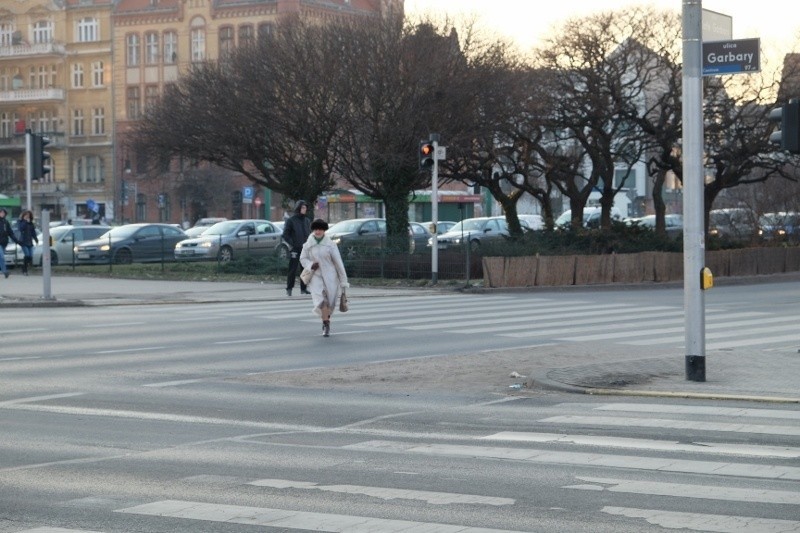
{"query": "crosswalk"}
pixel 712 482
pixel 552 319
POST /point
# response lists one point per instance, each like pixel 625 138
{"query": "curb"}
pixel 546 383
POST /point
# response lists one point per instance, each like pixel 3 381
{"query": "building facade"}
pixel 82 72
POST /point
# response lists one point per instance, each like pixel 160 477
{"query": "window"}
pixel 42 32
pixel 88 169
pixel 97 74
pixel 170 47
pixel 264 31
pixel 77 76
pixel 7 168
pixel 151 48
pixel 198 44
pixel 225 42
pixel 246 35
pixel 77 122
pixel 98 121
pixel 88 30
pixel 5 80
pixel 42 77
pixel 134 103
pixel 46 121
pixel 6 34
pixel 6 129
pixel 133 50
pixel 150 97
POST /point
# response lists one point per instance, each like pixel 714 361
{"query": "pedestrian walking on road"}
pixel 6 233
pixel 321 255
pixel 27 236
pixel 296 231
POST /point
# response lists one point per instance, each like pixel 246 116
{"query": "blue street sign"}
pixel 248 193
pixel 731 57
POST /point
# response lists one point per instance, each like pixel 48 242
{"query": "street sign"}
pixel 731 57
pixel 717 26
pixel 248 193
pixel 441 153
pixel 91 205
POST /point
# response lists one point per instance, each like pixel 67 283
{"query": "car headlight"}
pixel 207 244
pixel 457 240
pixel 430 241
pixel 337 240
pixel 105 247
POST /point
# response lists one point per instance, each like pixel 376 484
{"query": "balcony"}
pixel 32 95
pixel 30 50
pixel 16 143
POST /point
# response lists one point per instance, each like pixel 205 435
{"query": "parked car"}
pixel 358 233
pixel 531 222
pixel 195 231
pixel 284 249
pixel 781 226
pixel 735 223
pixel 591 217
pixel 62 243
pixel 419 237
pixel 673 223
pixel 475 231
pixel 131 243
pixel 208 221
pixel 442 226
pixel 225 240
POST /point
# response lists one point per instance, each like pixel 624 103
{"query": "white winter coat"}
pixel 330 277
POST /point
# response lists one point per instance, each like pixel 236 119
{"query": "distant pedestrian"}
pixel 6 233
pixel 27 236
pixel 296 230
pixel 321 255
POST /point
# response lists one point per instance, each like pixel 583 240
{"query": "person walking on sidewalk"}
pixel 295 232
pixel 321 255
pixel 6 233
pixel 27 236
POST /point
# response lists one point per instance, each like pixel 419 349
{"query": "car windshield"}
pixel 120 232
pixel 221 228
pixel 345 226
pixel 471 224
pixel 58 232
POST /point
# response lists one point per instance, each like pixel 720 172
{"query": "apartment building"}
pixel 55 79
pixel 83 71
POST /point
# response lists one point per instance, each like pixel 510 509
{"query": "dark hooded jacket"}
pixel 297 229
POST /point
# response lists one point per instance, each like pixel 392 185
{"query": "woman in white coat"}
pixel 321 255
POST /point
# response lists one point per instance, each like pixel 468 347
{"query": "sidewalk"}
pixel 769 375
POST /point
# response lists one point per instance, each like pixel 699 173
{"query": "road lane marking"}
pixel 664 423
pixel 649 444
pixel 280 518
pixel 632 462
pixel 384 493
pixel 699 410
pixel 684 490
pixel 706 522
pixel 244 341
pixel 29 399
pixel 112 325
pixel 175 383
pixel 129 350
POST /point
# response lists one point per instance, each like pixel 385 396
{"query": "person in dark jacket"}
pixel 27 236
pixel 6 233
pixel 295 232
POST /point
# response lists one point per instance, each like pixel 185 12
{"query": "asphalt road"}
pixel 239 416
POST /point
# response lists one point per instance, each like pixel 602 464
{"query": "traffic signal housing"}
pixel 788 117
pixel 426 154
pixel 40 159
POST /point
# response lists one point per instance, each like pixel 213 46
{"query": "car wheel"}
pixel 225 254
pixel 123 257
pixel 282 253
pixel 53 258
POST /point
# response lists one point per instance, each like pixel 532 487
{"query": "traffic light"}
pixel 426 154
pixel 788 136
pixel 39 158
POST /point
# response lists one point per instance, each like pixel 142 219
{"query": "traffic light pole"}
pixel 28 168
pixel 435 210
pixel 693 193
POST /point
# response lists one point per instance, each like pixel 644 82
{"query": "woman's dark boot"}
pixel 326 328
pixel 25 266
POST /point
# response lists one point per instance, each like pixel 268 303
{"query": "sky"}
pixel 527 21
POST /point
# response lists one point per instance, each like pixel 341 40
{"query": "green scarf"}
pixel 319 240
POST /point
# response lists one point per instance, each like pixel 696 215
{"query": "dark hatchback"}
pixel 131 243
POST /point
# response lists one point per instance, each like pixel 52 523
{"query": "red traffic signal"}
pixel 426 154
